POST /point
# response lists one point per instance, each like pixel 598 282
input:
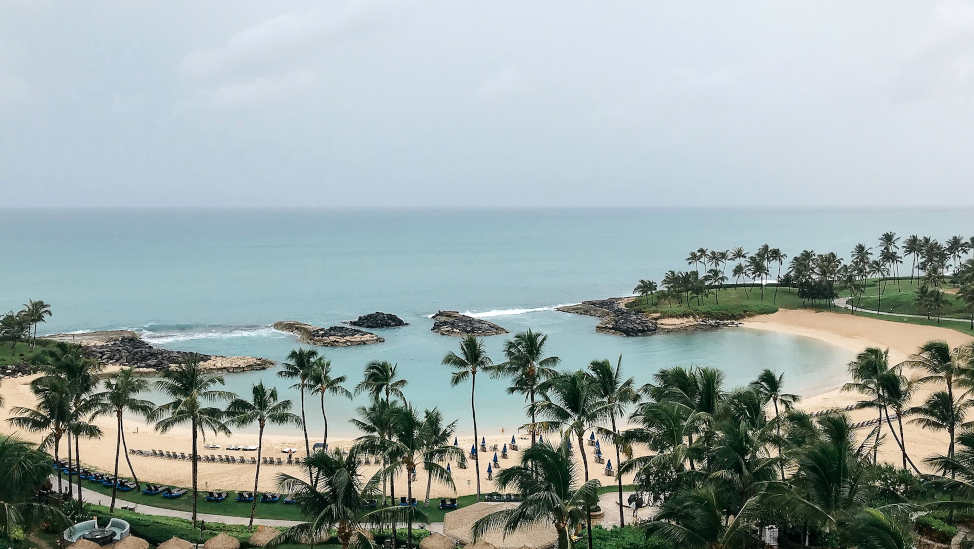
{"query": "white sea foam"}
pixel 207 332
pixel 511 312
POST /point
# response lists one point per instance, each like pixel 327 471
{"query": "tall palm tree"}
pixel 472 359
pixel 943 366
pixel 336 500
pixel 645 288
pixel 25 469
pixel 324 383
pixel 547 480
pixel 65 363
pixel 695 519
pixel 263 408
pixel 715 279
pixel 51 415
pixel 191 389
pixel 911 247
pixel 866 370
pixel 377 421
pixel 381 380
pixel 436 443
pixel 776 256
pixel 897 391
pixel 617 392
pixel 940 413
pixel 120 396
pixel 572 406
pixel 35 312
pixel 527 366
pixel 300 368
pixel 771 386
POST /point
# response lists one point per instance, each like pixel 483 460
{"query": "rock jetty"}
pixel 378 320
pixel 334 336
pixel 452 323
pixel 617 319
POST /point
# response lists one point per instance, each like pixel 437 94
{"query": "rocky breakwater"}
pixel 452 323
pixel 616 318
pixel 121 349
pixel 378 320
pixel 334 336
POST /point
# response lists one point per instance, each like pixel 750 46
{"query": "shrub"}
pixel 629 537
pixel 935 529
pixel 156 529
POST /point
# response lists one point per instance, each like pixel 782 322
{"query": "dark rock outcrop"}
pixel 378 320
pixel 132 351
pixel 627 323
pixel 334 336
pixel 452 323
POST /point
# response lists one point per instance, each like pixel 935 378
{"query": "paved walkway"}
pixel 844 303
pixel 98 498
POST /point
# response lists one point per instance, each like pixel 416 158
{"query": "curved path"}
pixel 98 498
pixel 844 303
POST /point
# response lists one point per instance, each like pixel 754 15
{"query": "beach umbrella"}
pixel 489 469
pixel 598 452
pixel 131 542
pixel 175 543
pixel 597 445
pixel 495 457
pixel 608 464
pixel 222 541
pixel 592 437
pixel 448 469
pixel 512 440
pixel 505 446
pixel 455 441
pixel 541 438
pixel 473 449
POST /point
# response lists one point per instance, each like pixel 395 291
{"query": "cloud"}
pixel 942 64
pixel 260 89
pixel 13 90
pixel 503 83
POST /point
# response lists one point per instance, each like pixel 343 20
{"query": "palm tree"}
pixel 377 422
pixel 897 391
pixel 547 481
pixel 263 408
pixel 406 450
pixel 300 368
pixel 694 519
pixel 436 443
pixel 52 414
pixel 472 358
pixel 911 247
pixel 121 395
pixel 191 389
pixel 866 370
pixel 776 256
pixel 25 470
pixel 715 279
pixel 771 387
pixel 381 380
pixel 572 406
pixel 875 529
pixel 35 312
pixel 336 500
pixel 527 366
pixel 940 413
pixel 322 383
pixel 65 363
pixel 944 366
pixel 618 393
pixel 645 287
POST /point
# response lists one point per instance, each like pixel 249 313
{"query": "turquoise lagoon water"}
pixel 214 280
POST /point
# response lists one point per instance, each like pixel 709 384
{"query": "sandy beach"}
pixel 850 332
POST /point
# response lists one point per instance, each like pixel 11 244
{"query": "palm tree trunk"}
pixel 879 429
pixel 77 463
pixel 392 494
pixel 304 427
pixel 118 446
pixel 57 444
pixel 125 450
pixel 533 419
pixel 260 447
pixel 562 537
pixel 588 509
pixel 622 515
pixel 324 419
pixel 194 472
pixel 476 437
pixel 778 428
pixel 409 510
pixel 429 482
pixel 70 461
pixel 900 442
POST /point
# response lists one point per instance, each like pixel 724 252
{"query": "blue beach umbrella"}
pixel 592 437
pixel 597 445
pixel 473 449
pixel 455 441
pixel 495 457
pixel 505 446
pixel 540 438
pixel 448 469
pixel 608 464
pixel 598 452
pixel 489 469
pixel 512 440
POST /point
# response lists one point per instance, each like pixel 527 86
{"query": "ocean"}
pixel 213 281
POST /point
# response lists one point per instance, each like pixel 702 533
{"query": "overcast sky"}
pixel 453 103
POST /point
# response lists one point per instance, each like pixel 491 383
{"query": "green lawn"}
pixel 903 300
pixel 20 352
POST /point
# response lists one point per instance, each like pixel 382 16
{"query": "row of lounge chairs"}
pixel 211 458
pixel 495 497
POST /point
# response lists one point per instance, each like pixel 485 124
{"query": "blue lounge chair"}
pixel 126 486
pixel 270 498
pixel 152 489
pixel 216 497
pixel 169 493
pixel 289 500
pixel 245 497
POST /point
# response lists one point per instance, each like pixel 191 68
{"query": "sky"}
pixel 373 103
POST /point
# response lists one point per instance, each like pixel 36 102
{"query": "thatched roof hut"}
pixel 480 544
pixel 222 541
pixel 84 544
pixel 131 542
pixel 263 536
pixel 175 543
pixel 437 541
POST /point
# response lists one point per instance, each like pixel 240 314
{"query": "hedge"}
pixel 935 529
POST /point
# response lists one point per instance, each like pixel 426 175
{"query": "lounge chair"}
pixel 448 504
pixel 169 493
pixel 126 486
pixel 412 502
pixel 403 502
pixel 245 497
pixel 270 498
pixel 152 489
pixel 279 462
pixel 289 500
pixel 216 497
pixel 253 461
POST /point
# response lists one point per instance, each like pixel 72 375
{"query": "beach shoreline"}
pixel 846 331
